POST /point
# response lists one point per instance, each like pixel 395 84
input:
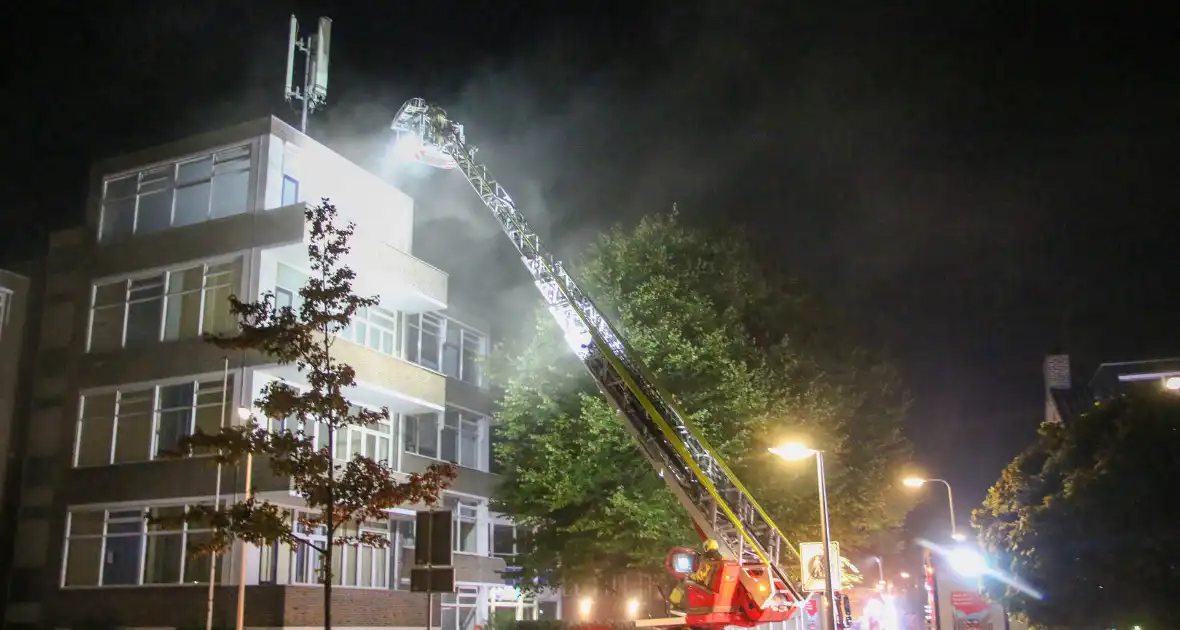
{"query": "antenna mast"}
pixel 312 90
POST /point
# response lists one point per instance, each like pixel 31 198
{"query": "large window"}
pixel 178 304
pixel 374 327
pixel 120 548
pixel 457 439
pixel 438 343
pixel 176 194
pixel 462 353
pixel 465 517
pixel 142 423
pixel 372 441
pixel 458 608
pixel 424 339
pixel 362 566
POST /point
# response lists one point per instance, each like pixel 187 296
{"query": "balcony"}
pixel 401 386
pixel 399 280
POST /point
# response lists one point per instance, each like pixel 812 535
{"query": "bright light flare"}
pixel 905 575
pixel 632 608
pixel 585 606
pixel 967 562
pixel 914 482
pixel 1172 383
pixel 792 451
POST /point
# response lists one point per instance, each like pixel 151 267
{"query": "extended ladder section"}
pixel 720 505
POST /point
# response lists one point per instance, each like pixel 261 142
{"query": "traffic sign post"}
pixel 434 569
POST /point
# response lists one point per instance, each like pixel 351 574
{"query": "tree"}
pixel 752 357
pixel 1086 516
pixel 343 494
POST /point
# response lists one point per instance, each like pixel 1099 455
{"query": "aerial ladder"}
pixel 743 583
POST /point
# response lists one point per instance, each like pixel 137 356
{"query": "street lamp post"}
pixel 917 482
pixel 880 570
pixel 794 451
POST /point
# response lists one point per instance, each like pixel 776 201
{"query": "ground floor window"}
pixel 459 608
pixel 120 547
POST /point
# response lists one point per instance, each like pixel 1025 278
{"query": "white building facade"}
pixel 171 233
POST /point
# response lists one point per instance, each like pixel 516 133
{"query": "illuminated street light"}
pixel 793 451
pixel 1172 383
pixel 918 482
pixel 904 575
pixel 880 570
pixel 967 562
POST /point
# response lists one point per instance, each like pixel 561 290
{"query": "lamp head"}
pixel 914 482
pixel 792 451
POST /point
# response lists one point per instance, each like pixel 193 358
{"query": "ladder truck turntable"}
pixel 743 583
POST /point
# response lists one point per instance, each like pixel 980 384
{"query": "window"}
pixel 374 327
pixel 465 513
pixel 420 434
pixel 362 566
pixel 120 548
pixel 137 424
pixel 458 608
pixel 372 441
pixel 181 193
pixel 457 439
pixel 462 353
pixel 290 190
pixel 424 339
pixel 503 537
pixel 179 304
pixel 288 282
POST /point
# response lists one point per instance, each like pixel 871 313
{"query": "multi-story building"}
pixel 1064 400
pixel 171 232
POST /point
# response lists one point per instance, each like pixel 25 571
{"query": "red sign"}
pixel 812 607
pixel 968 603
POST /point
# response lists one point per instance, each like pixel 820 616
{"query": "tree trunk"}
pixel 330 529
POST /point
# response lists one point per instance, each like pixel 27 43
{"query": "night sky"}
pixel 976 183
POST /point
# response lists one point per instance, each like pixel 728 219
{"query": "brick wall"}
pixel 266 606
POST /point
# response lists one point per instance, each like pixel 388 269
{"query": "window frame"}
pixel 464 416
pixel 168 172
pixel 164 275
pixel 477 511
pixel 144 533
pixel 154 411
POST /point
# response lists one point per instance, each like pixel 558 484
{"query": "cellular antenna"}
pixel 312 89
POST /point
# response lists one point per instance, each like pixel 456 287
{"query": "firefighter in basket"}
pixel 704 566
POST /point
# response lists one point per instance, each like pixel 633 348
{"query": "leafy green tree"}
pixel 752 357
pixel 342 494
pixel 1086 516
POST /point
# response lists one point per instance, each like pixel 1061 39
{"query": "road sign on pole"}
pixel 433 570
